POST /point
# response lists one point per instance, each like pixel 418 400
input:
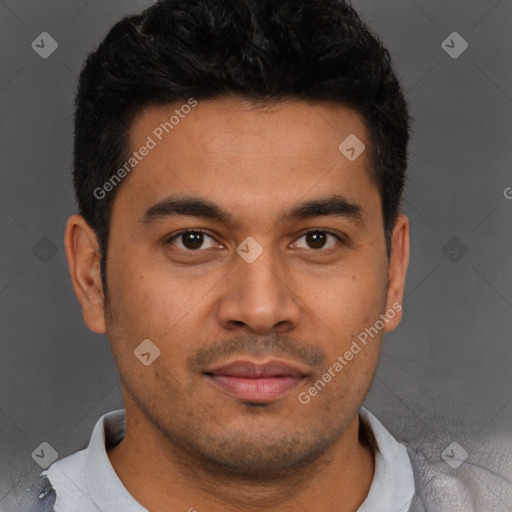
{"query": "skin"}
pixel 189 444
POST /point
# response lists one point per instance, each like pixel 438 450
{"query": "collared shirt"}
pixel 86 481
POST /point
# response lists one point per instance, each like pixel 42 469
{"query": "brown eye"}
pixel 191 240
pixel 317 239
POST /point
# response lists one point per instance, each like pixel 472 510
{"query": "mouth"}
pixel 256 382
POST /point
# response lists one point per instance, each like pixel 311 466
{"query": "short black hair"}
pixel 265 51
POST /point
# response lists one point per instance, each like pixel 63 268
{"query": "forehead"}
pixel 234 123
pixel 236 153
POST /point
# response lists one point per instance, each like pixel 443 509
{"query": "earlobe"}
pixel 397 270
pixel 82 252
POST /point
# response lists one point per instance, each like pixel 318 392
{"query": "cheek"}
pixel 350 305
pixel 164 307
pixel 137 286
pixel 351 299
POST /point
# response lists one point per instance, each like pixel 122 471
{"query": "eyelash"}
pixel 198 230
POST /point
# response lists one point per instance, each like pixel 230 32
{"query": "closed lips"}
pixel 250 370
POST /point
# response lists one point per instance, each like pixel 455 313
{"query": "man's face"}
pixel 218 311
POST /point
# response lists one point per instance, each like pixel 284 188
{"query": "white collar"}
pixel 86 481
pixel 392 487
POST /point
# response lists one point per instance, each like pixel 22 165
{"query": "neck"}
pixel 161 476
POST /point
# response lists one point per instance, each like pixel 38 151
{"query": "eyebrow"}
pixel 335 205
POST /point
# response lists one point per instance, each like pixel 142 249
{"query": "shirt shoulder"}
pixel 69 480
pixel 482 481
pixel 85 480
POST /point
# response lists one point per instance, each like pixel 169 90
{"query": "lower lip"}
pixel 264 389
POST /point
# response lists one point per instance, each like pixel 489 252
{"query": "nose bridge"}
pixel 259 268
pixel 258 294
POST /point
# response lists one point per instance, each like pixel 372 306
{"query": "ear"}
pixel 82 252
pixel 397 270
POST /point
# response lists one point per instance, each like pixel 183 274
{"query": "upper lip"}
pixel 250 369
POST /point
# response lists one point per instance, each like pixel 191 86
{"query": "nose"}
pixel 259 295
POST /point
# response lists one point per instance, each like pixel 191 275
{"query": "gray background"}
pixel 444 373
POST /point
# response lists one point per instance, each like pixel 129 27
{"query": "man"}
pixel 238 168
